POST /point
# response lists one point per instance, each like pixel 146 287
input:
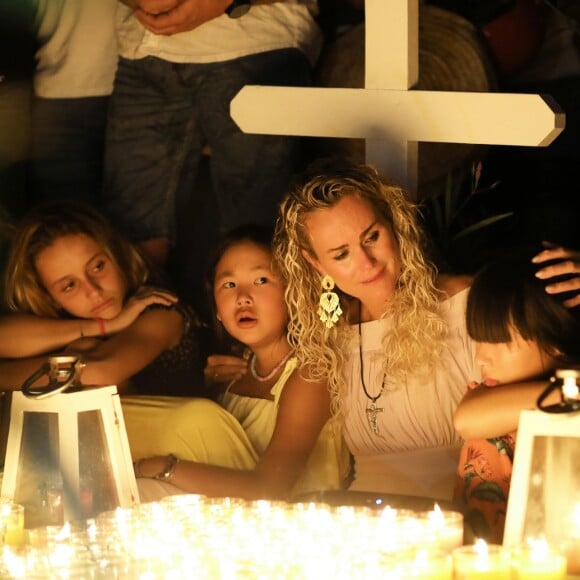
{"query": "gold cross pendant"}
pixel 372 411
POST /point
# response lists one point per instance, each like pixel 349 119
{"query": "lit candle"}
pixel 12 522
pixel 444 528
pixel 426 564
pixel 481 561
pixel 266 539
pixel 572 545
pixel 411 529
pixel 537 561
pixel 13 562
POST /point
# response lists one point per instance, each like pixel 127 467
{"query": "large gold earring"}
pixel 329 310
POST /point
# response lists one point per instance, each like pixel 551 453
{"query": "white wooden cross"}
pixel 391 118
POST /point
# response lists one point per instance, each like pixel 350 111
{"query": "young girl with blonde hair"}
pixel 73 283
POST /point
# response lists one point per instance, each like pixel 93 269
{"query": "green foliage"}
pixel 459 215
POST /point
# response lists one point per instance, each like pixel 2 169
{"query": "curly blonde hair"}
pixel 418 330
pixel 23 289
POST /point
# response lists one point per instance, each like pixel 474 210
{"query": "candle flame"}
pixel 570 388
pixel 436 517
pixel 13 564
pixel 64 533
pixel 539 549
pixel 480 548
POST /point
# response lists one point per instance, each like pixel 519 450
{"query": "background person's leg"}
pixel 250 173
pixel 152 132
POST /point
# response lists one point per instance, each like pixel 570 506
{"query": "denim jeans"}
pixel 162 114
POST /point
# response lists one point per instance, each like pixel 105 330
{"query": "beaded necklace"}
pixel 273 372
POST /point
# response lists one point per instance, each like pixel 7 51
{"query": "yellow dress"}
pixel 236 436
pixel 193 429
pixel 329 462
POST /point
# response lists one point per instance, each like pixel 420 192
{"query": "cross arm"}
pixel 434 116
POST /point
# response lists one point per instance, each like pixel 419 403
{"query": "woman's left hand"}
pixel 569 264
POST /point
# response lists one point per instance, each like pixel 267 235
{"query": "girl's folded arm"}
pixel 113 361
pixel 486 412
pixel 26 335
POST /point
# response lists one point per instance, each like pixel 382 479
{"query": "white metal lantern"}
pixel 544 499
pixel 67 454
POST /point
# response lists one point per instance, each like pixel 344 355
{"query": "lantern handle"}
pixel 54 387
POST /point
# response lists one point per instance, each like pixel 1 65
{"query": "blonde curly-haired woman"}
pixel 369 311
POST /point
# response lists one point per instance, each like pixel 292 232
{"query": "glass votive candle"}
pixel 571 539
pixel 426 564
pixel 481 561
pixel 444 528
pixel 538 561
pixel 12 522
pixel 48 536
pixel 14 562
pixel 571 549
pixel 410 529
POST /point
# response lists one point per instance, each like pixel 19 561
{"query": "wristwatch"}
pixel 238 8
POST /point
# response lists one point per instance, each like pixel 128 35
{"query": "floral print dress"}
pixel 482 486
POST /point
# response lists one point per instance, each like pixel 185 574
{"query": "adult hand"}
pixel 186 15
pixel 144 297
pixel 223 369
pixel 569 263
pixel 152 6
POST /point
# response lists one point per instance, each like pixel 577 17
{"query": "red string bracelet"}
pixel 101 324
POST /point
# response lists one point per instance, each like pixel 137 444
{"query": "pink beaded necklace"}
pixel 273 372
